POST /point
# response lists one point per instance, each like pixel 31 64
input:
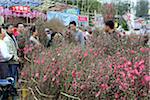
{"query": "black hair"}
pixel 33 29
pixel 7 26
pixel 73 22
pixel 110 23
pixel 19 24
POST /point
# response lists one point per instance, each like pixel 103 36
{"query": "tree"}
pixel 108 11
pixel 142 8
pixel 122 8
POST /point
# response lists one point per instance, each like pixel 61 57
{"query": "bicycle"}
pixel 7 90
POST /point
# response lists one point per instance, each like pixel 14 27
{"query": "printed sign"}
pixel 73 11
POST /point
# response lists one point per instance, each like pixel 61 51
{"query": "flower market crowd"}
pixel 14 38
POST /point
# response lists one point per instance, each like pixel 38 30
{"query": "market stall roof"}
pixel 31 3
pixel 60 7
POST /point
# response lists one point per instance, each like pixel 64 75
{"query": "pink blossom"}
pixel 132 77
pixel 132 51
pixel 79 75
pixel 53 79
pixel 118 53
pixel 38 62
pixel 107 77
pixel 74 84
pixel 43 61
pixel 119 66
pixel 97 94
pixel 118 80
pixel 141 62
pixel 123 74
pixel 135 71
pixel 37 75
pixel 127 69
pixel 132 82
pixel 86 54
pixel 110 66
pixel 95 53
pixel 143 50
pixel 129 63
pixel 74 74
pixel 136 64
pixel 65 84
pixel 45 78
pixel 53 71
pixel 147 78
pixel 116 95
pixel 143 82
pixel 104 86
pixel 59 72
pixel 141 67
pixel 63 69
pixel 91 50
pixel 123 86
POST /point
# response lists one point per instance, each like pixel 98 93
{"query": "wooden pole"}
pixel 27 20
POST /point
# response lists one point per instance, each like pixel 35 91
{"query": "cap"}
pixel 46 29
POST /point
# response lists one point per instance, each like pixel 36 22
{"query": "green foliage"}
pixel 122 8
pixel 142 8
pixel 86 5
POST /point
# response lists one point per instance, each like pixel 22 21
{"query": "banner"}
pixel 83 20
pixel 64 17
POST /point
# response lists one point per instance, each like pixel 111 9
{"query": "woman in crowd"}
pixel 34 38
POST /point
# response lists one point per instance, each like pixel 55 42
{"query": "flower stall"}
pixel 20 10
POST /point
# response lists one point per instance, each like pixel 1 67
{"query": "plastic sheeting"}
pixel 65 18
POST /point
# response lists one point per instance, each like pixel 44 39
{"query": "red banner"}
pixel 83 18
pixel 21 9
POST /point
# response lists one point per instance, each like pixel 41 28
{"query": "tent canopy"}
pixel 31 3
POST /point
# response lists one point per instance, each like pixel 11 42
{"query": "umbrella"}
pixel 31 3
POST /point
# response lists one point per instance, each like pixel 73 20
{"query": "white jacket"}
pixel 12 46
pixel 4 53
